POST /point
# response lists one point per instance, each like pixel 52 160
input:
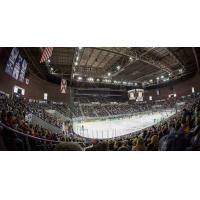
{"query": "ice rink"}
pixel 116 127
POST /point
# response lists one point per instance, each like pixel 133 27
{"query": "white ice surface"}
pixel 116 127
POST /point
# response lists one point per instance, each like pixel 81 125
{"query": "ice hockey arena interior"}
pixel 99 98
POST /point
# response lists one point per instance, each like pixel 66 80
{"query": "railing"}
pixel 31 142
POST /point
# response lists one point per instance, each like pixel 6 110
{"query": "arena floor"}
pixel 109 128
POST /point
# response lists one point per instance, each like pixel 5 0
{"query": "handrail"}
pixel 30 136
pixel 33 137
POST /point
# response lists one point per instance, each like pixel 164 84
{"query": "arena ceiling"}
pixel 116 65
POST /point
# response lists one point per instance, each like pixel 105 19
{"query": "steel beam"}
pixel 148 75
pixel 141 57
pixel 33 60
pixel 175 57
pixel 196 58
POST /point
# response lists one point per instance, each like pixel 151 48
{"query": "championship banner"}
pixel 13 55
pixel 11 61
pixel 63 86
pixel 17 67
pixel 23 71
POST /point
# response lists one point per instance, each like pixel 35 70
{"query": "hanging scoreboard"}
pixel 136 94
pixel 131 94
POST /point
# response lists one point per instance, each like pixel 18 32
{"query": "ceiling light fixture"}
pixel 91 79
pixel 180 70
pixel 118 67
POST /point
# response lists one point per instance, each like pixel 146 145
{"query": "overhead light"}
pixel 80 78
pixel 129 83
pixel 151 81
pixel 169 74
pixel 174 95
pixel 97 80
pixel 107 80
pixel 162 77
pixel 90 79
pixel 130 58
pixel 76 63
pixel 118 67
pixel 157 78
pixel 51 69
pixel 109 74
pixel 166 79
pixel 193 91
pixel 117 82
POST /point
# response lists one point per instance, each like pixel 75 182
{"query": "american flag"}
pixel 46 54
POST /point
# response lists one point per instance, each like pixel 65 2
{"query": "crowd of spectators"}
pixel 116 109
pixel 180 132
pixel 41 111
pixel 13 116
